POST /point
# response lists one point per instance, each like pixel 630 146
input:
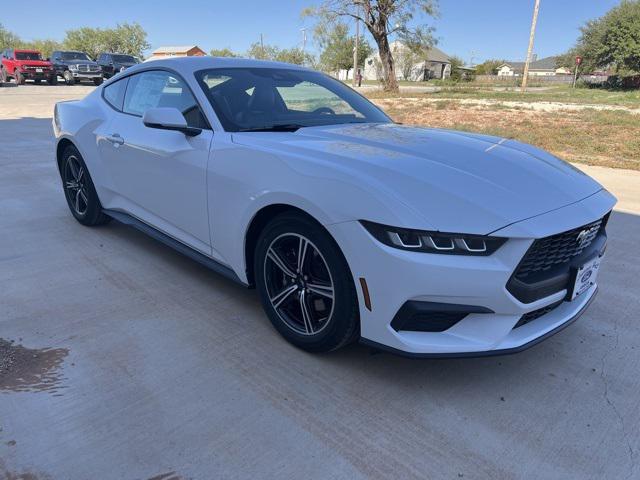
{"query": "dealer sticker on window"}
pixel 586 277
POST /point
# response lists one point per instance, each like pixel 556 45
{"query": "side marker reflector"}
pixel 365 293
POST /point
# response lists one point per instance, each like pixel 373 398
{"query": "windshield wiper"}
pixel 278 127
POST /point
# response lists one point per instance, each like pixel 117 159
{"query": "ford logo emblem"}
pixel 586 276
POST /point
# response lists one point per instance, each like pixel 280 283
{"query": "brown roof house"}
pixel 180 51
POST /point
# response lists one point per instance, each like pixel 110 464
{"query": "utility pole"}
pixel 304 43
pixel 532 34
pixel 355 50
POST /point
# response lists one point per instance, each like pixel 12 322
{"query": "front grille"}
pixel 548 252
pixel 88 68
pixel 531 316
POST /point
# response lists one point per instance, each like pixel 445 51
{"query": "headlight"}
pixel 434 242
pixel 73 67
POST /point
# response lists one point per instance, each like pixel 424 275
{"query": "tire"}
pixel 19 78
pixel 68 78
pixel 97 81
pixel 53 80
pixel 79 190
pixel 3 75
pixel 325 285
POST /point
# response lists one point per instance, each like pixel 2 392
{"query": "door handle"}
pixel 116 139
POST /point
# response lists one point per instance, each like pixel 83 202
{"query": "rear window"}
pixel 113 93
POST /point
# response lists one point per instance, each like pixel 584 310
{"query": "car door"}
pixel 159 176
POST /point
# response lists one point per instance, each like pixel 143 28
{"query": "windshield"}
pixel 28 56
pixel 75 56
pixel 273 98
pixel 123 59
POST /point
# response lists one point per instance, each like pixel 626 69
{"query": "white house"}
pixel 543 67
pixel 435 65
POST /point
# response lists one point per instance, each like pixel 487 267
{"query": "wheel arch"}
pixel 62 145
pixel 260 220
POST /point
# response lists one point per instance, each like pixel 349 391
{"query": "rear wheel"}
pixel 79 190
pixel 305 285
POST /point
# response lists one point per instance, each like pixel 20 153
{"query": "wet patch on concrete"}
pixel 6 474
pixel 30 370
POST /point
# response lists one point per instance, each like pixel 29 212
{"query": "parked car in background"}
pixel 75 67
pixel 113 63
pixel 22 65
pixel 423 241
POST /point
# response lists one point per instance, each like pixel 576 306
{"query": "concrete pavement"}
pixel 137 363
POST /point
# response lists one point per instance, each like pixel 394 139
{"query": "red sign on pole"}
pixel 578 60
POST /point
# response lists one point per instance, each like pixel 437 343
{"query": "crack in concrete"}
pixel 613 406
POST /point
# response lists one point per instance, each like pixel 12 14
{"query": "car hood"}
pixel 458 182
pixel 78 62
pixel 33 63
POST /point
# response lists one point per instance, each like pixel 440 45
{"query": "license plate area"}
pixel 584 277
pixel 38 70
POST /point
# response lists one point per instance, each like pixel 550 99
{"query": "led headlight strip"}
pixel 434 242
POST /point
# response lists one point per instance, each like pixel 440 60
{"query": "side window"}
pixel 113 94
pixel 156 89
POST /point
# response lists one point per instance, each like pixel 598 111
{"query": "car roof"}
pixel 191 64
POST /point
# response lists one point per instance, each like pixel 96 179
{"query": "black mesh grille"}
pixel 531 316
pixel 548 252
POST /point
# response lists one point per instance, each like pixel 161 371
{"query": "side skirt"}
pixel 176 245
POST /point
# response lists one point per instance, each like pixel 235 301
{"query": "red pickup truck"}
pixel 26 65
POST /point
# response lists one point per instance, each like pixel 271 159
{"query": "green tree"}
pixel 8 39
pixel 406 59
pixel 124 38
pixel 276 54
pixel 488 67
pixel 223 52
pixel 456 64
pixel 44 46
pixel 337 48
pixel 383 18
pixel 611 41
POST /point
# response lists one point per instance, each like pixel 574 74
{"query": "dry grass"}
pixel 595 137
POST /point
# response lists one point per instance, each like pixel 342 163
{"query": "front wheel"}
pixel 19 78
pixel 79 190
pixel 305 284
pixel 3 75
pixel 97 81
pixel 68 78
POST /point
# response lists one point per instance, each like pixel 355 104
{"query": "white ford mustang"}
pixel 424 242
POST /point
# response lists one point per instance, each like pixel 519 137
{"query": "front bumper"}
pixel 86 75
pixel 33 75
pixel 395 277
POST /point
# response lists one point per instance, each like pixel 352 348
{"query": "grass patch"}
pixel 561 94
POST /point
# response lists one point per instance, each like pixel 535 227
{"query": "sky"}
pixel 474 30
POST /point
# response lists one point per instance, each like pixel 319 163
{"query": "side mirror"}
pixel 168 119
